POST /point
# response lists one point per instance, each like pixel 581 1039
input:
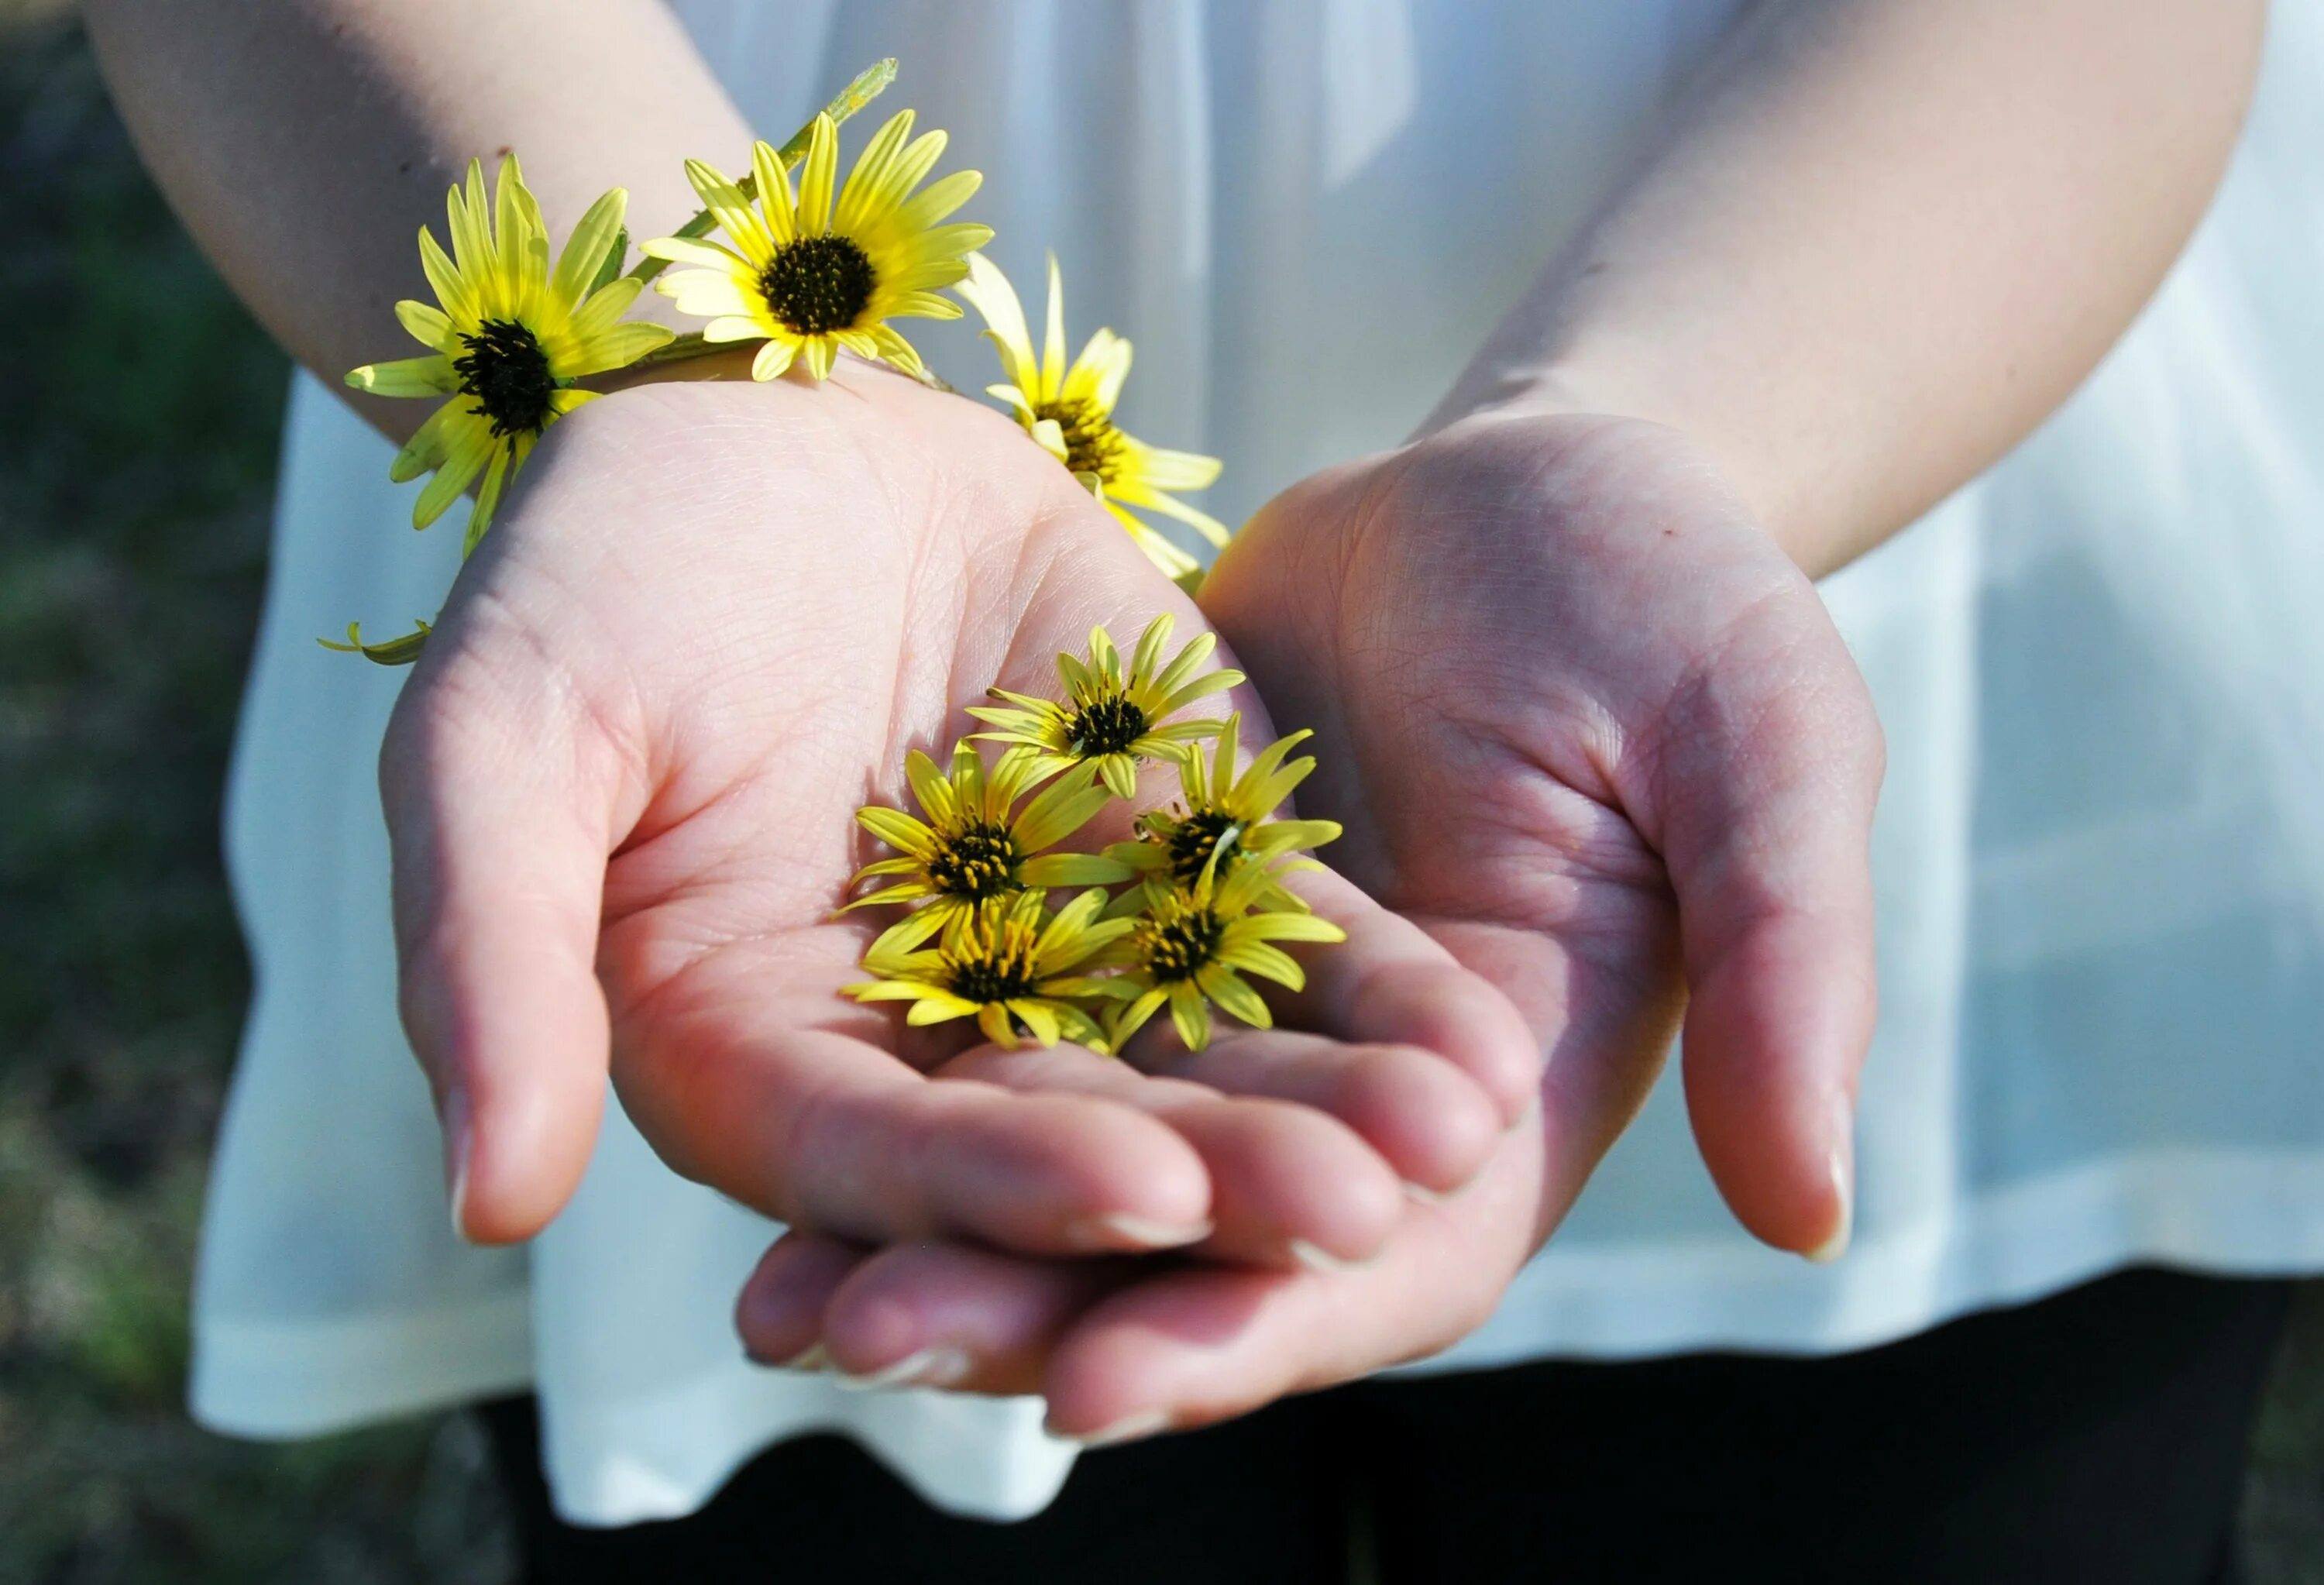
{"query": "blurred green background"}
pixel 138 426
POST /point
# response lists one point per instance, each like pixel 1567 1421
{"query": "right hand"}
pixel 1586 721
pixel 620 787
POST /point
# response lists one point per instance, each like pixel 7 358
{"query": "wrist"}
pixel 1600 386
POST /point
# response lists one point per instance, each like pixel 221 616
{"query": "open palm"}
pixel 621 787
pixel 1586 723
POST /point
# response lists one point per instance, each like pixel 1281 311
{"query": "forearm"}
pixel 305 142
pixel 1883 240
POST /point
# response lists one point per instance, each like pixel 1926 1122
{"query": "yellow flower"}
pixel 1191 946
pixel 1112 721
pixel 812 276
pixel 509 340
pixel 1069 409
pixel 974 843
pixel 1003 962
pixel 1221 822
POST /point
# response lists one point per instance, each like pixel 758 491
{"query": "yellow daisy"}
pixel 1004 961
pixel 1221 824
pixel 1069 409
pixel 974 843
pixel 813 275
pixel 1190 947
pixel 1112 721
pixel 509 340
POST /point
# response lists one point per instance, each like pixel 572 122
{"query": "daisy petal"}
pixel 431 375
pixel 585 251
pixel 817 174
pixel 462 464
pixel 429 326
pixel 1235 995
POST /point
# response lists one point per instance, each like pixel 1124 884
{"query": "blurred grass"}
pixel 138 427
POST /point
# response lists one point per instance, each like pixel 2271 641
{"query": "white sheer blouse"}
pixel 2101 669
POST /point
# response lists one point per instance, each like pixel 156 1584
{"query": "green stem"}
pixel 868 86
pixel 690 346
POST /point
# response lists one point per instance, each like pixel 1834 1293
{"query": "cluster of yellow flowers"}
pixel 805 265
pixel 802 269
pixel 1203 902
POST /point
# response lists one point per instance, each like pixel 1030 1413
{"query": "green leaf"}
pixel 401 651
pixel 609 269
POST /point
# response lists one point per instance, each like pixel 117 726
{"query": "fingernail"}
pixel 940 1365
pixel 1129 1428
pixel 459 1132
pixel 814 1357
pixel 1113 1232
pixel 1422 1194
pixel 1315 1258
pixel 1843 1186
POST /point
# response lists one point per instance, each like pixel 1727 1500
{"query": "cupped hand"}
pixel 621 785
pixel 1587 724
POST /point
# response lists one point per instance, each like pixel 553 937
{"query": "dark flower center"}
pixel 1177 946
pixel 1093 445
pixel 999 977
pixel 505 370
pixel 1191 839
pixel 979 860
pixel 817 284
pixel 1104 727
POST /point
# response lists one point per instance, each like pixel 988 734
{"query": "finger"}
pixel 948 1316
pixel 1428 1122
pixel 1390 983
pixel 1195 1344
pixel 748 1071
pixel 1289 1186
pixel 780 1314
pixel 502 801
pixel 1768 800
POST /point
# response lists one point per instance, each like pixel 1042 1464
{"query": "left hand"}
pixel 1587 724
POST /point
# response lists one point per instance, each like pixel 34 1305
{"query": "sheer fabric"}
pixel 2100 855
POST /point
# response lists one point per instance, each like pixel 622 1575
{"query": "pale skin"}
pixel 1875 246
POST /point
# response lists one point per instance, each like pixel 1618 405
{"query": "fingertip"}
pixel 871 1327
pixel 1329 1191
pixel 780 1314
pixel 935 1314
pixel 1076 1174
pixel 1429 1124
pixel 1775 1037
pixel 1445 1009
pixel 1150 1359
pixel 527 1147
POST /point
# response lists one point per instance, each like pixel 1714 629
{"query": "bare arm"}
pixel 603 811
pixel 305 142
pixel 1883 241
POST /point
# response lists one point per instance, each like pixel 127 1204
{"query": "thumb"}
pixel 502 798
pixel 1768 780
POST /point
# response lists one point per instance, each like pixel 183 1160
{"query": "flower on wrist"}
pixel 1069 409
pixel 811 275
pixel 508 338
